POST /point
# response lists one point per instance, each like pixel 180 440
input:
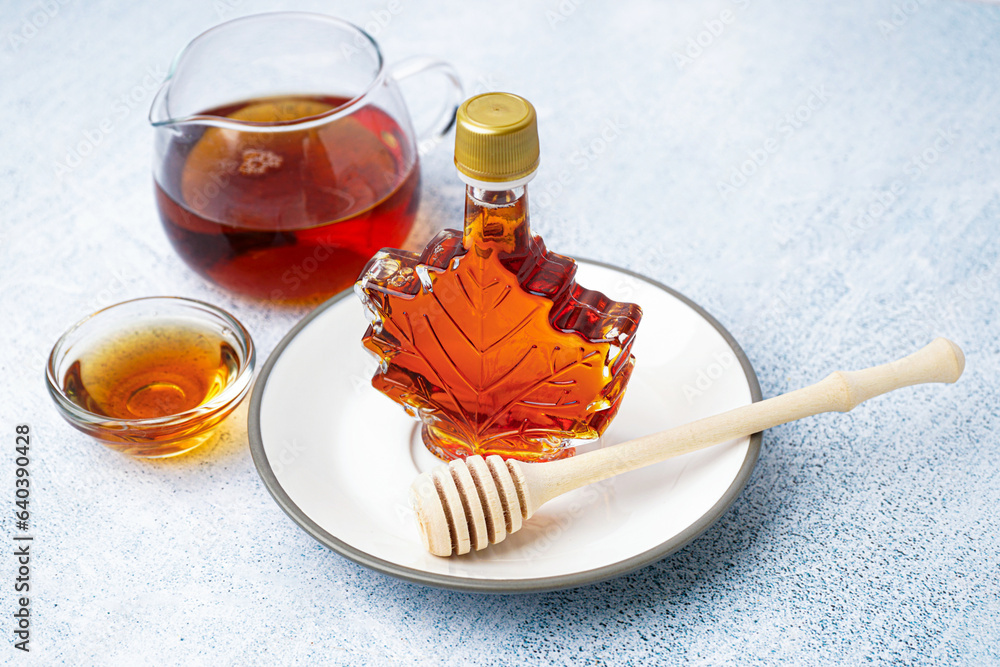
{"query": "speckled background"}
pixel 872 226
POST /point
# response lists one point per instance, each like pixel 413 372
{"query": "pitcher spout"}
pixel 158 114
pixel 159 110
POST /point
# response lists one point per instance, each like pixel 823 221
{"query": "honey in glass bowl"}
pixel 151 377
pixel 151 372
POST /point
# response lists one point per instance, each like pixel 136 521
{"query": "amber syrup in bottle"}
pixel 485 336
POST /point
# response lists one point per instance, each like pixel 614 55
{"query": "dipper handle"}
pixel 841 391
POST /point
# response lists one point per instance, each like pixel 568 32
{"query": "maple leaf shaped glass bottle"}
pixel 485 336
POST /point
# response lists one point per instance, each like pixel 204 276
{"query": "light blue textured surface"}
pixel 870 537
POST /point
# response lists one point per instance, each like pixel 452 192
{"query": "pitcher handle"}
pixel 432 136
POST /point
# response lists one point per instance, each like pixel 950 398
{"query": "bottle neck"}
pixel 496 218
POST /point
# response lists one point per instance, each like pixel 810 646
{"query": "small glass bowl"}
pixel 160 436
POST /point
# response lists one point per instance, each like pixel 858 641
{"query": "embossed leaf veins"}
pixel 475 344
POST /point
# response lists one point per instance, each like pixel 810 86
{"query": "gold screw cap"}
pixel 496 138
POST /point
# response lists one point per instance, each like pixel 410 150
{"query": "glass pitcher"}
pixel 284 153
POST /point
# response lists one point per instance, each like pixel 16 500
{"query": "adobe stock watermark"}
pixel 713 29
pixel 378 20
pixel 661 260
pixel 121 108
pixel 928 317
pixel 562 12
pixel 580 159
pixel 299 274
pixel 225 8
pixel 362 384
pixel 109 294
pixel 784 130
pixel 625 288
pixel 973 292
pixel 901 14
pixel 484 83
pixel 33 21
pixel 288 453
pixel 546 531
pixel 915 168
pixel 708 375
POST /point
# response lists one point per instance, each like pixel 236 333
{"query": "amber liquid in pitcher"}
pixel 291 215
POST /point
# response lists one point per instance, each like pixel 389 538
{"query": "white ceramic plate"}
pixel 339 457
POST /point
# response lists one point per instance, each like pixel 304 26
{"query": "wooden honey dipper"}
pixel 476 502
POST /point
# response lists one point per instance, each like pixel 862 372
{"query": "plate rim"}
pixel 472 584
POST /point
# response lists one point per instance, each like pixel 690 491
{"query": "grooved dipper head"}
pixel 467 504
